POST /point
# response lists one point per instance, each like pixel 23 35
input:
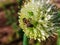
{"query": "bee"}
pixel 27 22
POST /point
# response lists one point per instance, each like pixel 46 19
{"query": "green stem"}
pixel 25 40
pixel 58 41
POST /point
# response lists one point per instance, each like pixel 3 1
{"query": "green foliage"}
pixel 10 15
pixel 58 41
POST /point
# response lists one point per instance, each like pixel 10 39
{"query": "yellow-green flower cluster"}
pixel 34 19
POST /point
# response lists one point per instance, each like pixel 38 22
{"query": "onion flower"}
pixel 37 19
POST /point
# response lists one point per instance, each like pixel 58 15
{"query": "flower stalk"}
pixel 25 40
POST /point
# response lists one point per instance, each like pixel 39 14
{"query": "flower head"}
pixel 36 20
